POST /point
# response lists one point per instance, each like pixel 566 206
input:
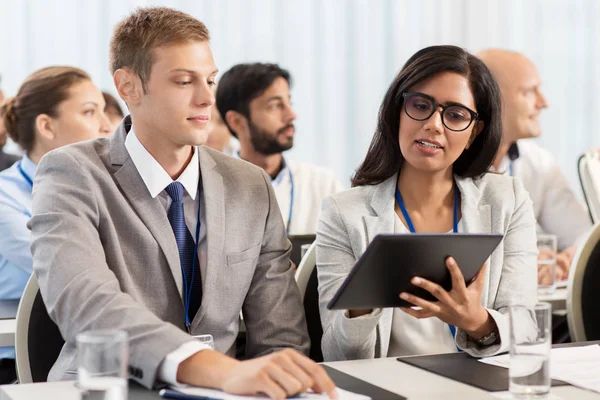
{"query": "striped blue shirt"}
pixel 15 211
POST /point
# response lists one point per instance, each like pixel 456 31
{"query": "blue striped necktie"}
pixel 185 245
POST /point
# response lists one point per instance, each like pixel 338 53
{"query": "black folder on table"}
pixel 390 261
pixel 352 384
pixel 466 369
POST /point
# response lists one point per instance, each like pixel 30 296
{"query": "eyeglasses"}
pixel 421 107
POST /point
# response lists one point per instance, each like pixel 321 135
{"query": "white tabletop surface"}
pixel 7 332
pixel 408 381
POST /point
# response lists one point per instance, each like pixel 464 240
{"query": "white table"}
pixel 7 332
pixel 408 381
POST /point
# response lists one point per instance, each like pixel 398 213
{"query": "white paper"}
pixel 578 366
pixel 342 395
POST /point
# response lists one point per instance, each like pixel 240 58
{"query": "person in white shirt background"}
pixel 255 102
pixel 557 209
pixel 219 137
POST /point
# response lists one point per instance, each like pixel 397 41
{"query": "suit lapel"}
pixel 148 209
pixel 476 218
pixel 382 203
pixel 214 206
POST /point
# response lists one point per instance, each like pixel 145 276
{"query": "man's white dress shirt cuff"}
pixel 167 371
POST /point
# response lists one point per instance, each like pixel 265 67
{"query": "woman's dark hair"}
pixel 41 93
pixel 384 158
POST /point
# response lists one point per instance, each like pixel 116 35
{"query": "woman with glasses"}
pixel 439 129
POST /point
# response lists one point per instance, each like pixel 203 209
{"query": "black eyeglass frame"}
pixel 408 95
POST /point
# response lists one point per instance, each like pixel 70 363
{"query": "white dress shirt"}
pixel 232 147
pixel 16 265
pixel 556 208
pixel 411 336
pixel 311 185
pixel 156 180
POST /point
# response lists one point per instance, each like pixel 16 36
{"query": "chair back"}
pixel 308 283
pixel 297 242
pixel 588 168
pixel 38 341
pixel 583 298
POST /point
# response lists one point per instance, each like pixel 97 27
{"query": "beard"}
pixel 266 143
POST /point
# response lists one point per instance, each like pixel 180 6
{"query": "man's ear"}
pixel 476 131
pixel 129 86
pixel 45 127
pixel 237 122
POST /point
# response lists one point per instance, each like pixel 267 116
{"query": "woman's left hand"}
pixel 460 307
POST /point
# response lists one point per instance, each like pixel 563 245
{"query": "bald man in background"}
pixel 556 207
pixel 6 160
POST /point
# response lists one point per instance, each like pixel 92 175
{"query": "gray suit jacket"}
pixel 351 219
pixel 106 257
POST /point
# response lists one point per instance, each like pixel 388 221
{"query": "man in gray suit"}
pixel 148 233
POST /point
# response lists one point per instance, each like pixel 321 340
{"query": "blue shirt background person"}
pixel 54 106
pixel 15 211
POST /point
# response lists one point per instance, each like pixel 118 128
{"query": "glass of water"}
pixel 102 358
pixel 207 340
pixel 529 369
pixel 546 264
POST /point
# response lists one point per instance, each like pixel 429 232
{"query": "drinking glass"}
pixel 102 358
pixel 546 264
pixel 529 369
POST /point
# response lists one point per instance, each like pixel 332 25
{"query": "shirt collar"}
pixel 513 151
pixel 285 170
pixel 282 174
pixel 28 166
pixel 511 156
pixel 154 175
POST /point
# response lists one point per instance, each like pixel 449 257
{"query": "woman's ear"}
pixel 45 127
pixel 476 131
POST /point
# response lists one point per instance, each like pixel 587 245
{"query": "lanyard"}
pixel 25 176
pixel 511 170
pixel 411 227
pixel 289 220
pixel 187 288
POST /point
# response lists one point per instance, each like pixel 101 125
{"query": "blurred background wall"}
pixel 342 55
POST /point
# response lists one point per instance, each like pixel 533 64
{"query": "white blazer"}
pixel 311 185
pixel 556 208
pixel 491 204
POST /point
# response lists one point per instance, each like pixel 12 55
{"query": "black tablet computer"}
pixel 391 261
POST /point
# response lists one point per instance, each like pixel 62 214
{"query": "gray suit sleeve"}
pixel 518 283
pixel 343 338
pixel 273 311
pixel 78 287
